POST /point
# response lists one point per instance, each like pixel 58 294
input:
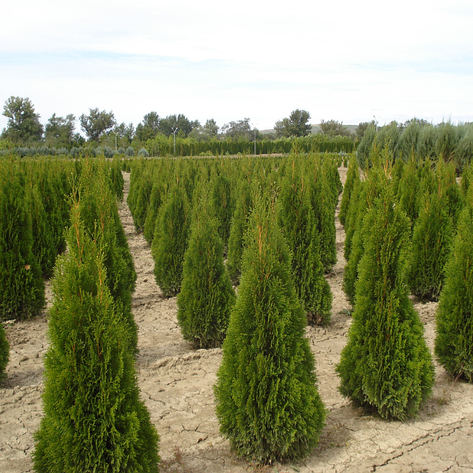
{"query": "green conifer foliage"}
pixel 206 296
pixel 268 405
pixel 223 205
pixel 466 179
pixel 324 197
pixel 170 241
pixel 386 364
pixel 297 221
pixel 353 175
pixel 22 291
pixel 99 210
pixel 93 419
pixel 237 231
pixel 141 184
pixel 454 318
pixel 375 181
pixel 156 199
pixel 409 191
pixel 431 241
pixel 4 351
pixel 44 246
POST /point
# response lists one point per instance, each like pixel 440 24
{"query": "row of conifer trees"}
pixel 397 244
pixel 273 219
pixel 408 231
pixel 94 419
pixel 34 213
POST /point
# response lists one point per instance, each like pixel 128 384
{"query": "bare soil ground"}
pixel 177 381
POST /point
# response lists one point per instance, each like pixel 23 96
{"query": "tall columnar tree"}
pixel 454 318
pixel 237 231
pixel 353 175
pixel 268 405
pixel 93 419
pixel 386 364
pixel 223 205
pixel 4 351
pixel 44 246
pixel 22 291
pixel 156 198
pixel 99 211
pixel 375 180
pixel 206 296
pixel 170 241
pixel 324 196
pixel 408 191
pixel 431 241
pixel 297 221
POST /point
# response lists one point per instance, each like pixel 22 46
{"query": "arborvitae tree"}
pixel 466 179
pixel 297 221
pixel 206 296
pixel 156 199
pixel 409 191
pixel 170 241
pixel 44 246
pixel 99 208
pixel 431 241
pixel 375 180
pixel 141 184
pixel 454 318
pixel 239 225
pixel 22 291
pixel 447 180
pixel 93 419
pixel 353 175
pixel 54 198
pixel 116 177
pixel 386 364
pixel 4 351
pixel 268 405
pixel 323 201
pixel 223 205
pixel 351 220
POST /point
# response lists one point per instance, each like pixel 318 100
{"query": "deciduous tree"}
pixel 23 122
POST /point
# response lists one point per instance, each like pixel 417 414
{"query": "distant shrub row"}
pixel 421 140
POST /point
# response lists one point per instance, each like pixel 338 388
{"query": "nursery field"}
pixel 176 383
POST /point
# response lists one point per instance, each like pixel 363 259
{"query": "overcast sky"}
pixel 347 61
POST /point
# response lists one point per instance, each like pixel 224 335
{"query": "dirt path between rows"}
pixel 177 381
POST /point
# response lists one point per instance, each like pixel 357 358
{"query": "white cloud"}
pixel 341 60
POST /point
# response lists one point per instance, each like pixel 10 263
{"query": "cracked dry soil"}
pixel 177 381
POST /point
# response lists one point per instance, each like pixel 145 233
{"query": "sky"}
pixel 347 61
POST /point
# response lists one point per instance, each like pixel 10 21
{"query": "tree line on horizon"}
pixel 24 128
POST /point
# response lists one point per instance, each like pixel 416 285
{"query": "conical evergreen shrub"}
pixel 44 246
pixel 375 181
pixel 267 401
pixel 386 365
pixel 223 205
pixel 238 228
pixel 93 419
pixel 206 296
pixel 22 291
pixel 454 318
pixel 156 199
pixel 99 209
pixel 431 242
pixel 170 241
pixel 409 191
pixel 353 175
pixel 324 196
pixel 297 221
pixel 4 351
